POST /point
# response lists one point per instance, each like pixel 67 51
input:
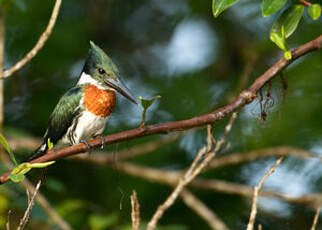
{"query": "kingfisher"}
pixel 82 112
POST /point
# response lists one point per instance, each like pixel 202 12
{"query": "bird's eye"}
pixel 101 71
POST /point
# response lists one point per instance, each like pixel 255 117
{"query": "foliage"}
pixel 285 24
pixel 7 147
pixel 18 173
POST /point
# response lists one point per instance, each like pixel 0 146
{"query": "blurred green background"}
pixel 178 50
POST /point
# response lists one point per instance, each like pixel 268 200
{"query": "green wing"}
pixel 64 113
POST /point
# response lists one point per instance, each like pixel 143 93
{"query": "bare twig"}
pixel 42 201
pixel 316 218
pixel 257 188
pixel 135 214
pixel 191 173
pixel 244 98
pixel 202 210
pixel 40 43
pixel 25 218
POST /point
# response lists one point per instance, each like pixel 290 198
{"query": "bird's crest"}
pixel 96 56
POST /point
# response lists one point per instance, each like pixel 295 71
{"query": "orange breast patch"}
pixel 99 102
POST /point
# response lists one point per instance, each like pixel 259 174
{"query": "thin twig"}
pixel 191 173
pixel 40 43
pixel 135 214
pixel 202 210
pixel 25 218
pixel 43 202
pixel 316 218
pixel 257 188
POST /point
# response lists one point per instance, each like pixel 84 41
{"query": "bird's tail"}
pixel 41 150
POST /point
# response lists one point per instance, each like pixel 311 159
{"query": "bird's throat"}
pixel 98 101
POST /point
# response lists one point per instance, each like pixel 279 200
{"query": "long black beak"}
pixel 120 87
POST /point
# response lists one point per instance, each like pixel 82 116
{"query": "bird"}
pixel 82 112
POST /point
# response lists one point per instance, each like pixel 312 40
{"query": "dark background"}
pixel 178 50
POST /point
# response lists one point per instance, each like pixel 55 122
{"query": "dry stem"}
pixel 40 43
pixel 25 218
pixel 257 188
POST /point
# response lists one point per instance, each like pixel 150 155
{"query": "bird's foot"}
pixel 89 147
pixel 102 140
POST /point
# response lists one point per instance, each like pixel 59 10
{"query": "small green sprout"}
pixel 146 103
pixel 50 144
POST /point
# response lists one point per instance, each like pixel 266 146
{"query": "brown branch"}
pixel 244 98
pixel 40 43
pixel 316 218
pixel 202 210
pixel 257 188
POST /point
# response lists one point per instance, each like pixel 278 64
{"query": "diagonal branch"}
pixel 40 43
pixel 202 210
pixel 244 98
pixel 250 225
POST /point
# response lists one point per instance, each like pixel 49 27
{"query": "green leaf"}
pixel 16 177
pixel 218 6
pixel 17 174
pixel 146 103
pixel 40 165
pixel 272 6
pixel 290 18
pixel 314 11
pixel 50 144
pixel 6 146
pixel 279 38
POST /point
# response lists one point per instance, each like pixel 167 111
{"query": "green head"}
pixel 104 72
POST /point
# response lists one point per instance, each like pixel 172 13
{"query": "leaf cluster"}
pixel 285 23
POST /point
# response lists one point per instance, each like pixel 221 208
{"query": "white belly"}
pixel 85 127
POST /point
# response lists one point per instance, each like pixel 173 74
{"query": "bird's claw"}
pixel 103 141
pixel 89 147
